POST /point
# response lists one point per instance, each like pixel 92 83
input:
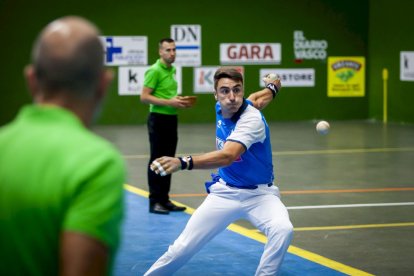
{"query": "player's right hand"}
pixel 165 165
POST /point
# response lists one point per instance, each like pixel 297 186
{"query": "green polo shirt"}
pixel 55 175
pixel 162 79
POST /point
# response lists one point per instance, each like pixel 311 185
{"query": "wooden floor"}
pixel 350 194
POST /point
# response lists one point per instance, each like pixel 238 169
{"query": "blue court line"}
pixel 147 236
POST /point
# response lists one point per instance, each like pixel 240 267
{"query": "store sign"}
pixel 291 77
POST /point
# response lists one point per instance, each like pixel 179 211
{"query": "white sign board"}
pixel 131 80
pixel 250 53
pixel 188 44
pixel 125 50
pixel 407 66
pixel 204 78
pixel 291 77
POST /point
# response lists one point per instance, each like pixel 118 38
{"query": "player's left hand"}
pixel 165 165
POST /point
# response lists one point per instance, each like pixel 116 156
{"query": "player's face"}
pixel 167 52
pixel 229 94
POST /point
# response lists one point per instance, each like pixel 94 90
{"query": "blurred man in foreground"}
pixel 61 196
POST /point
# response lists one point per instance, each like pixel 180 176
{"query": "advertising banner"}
pixel 188 44
pixel 306 49
pixel 250 53
pixel 125 50
pixel 131 79
pixel 407 66
pixel 346 76
pixel 204 78
pixel 304 77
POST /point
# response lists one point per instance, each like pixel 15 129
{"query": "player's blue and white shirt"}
pixel 249 128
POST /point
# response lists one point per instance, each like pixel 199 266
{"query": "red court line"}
pixel 302 192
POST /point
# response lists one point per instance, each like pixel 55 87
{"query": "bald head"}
pixel 68 57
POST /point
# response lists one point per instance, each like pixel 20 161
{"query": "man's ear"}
pixel 215 95
pixel 31 80
pixel 104 83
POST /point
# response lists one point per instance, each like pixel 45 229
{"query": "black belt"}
pixel 250 187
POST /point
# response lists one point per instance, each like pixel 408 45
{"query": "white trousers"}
pixel 262 207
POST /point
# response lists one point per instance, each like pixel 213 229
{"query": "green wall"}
pixel 391 30
pixel 344 24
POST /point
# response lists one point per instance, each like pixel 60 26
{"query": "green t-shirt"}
pixel 162 79
pixel 55 175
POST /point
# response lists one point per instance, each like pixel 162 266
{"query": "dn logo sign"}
pixel 188 43
pixel 186 34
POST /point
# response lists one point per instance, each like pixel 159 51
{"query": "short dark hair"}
pixel 167 39
pixel 227 72
pixel 77 72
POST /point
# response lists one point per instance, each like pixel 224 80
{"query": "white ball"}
pixel 271 77
pixel 322 127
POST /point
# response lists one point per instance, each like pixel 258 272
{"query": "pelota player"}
pixel 243 187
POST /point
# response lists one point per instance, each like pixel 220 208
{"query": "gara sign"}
pixel 250 53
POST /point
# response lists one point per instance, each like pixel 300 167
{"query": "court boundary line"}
pixel 327 191
pixel 358 205
pixel 253 234
pixel 304 152
pixel 342 151
pixel 356 226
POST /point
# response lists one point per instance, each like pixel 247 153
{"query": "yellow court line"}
pixel 136 190
pixel 253 234
pixel 257 236
pixel 326 262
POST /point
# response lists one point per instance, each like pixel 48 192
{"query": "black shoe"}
pixel 173 208
pixel 157 208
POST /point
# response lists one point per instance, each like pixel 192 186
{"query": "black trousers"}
pixel 163 138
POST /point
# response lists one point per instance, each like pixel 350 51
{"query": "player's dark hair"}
pixel 167 39
pixel 227 72
pixel 77 72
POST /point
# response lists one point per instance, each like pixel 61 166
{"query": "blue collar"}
pixel 236 116
pixel 239 112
